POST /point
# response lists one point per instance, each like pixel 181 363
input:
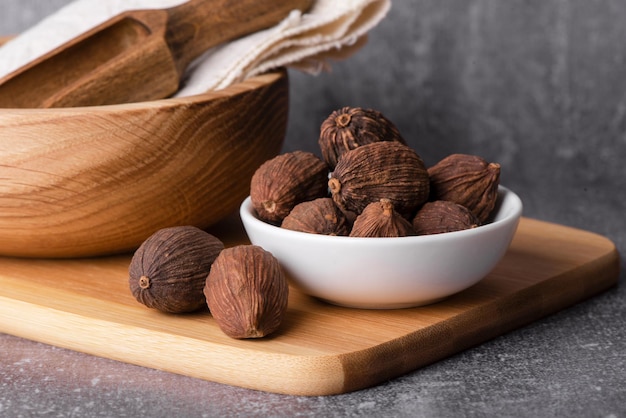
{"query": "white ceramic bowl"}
pixel 388 273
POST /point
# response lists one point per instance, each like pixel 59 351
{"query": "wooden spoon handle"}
pixel 197 25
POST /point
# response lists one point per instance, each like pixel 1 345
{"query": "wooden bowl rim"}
pixel 251 84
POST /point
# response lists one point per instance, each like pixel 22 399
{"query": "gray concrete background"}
pixel 537 85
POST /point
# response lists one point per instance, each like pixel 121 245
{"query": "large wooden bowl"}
pixel 92 181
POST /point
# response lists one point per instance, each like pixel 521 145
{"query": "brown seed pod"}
pixel 350 127
pixel 284 181
pixel 442 216
pixel 247 292
pixel 168 270
pixel 380 170
pixel 468 180
pixel 319 216
pixel 379 219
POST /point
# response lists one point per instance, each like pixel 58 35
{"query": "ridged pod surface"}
pixel 319 216
pixel 169 269
pixel 350 127
pixel 379 219
pixel 282 182
pixel 443 216
pixel 247 292
pixel 389 170
pixel 468 180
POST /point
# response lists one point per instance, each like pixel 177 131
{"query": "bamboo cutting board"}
pixel 85 305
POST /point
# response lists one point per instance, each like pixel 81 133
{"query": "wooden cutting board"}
pixel 85 305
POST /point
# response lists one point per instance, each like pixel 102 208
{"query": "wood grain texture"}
pixel 320 349
pixel 136 56
pixel 98 180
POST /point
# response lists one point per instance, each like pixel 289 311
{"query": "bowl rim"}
pixel 241 87
pixel 248 216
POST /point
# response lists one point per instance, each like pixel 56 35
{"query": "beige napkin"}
pixel 331 30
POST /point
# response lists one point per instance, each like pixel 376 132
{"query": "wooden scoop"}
pixel 138 55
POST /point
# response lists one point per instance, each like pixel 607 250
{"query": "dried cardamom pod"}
pixel 350 127
pixel 379 219
pixel 380 170
pixel 247 292
pixel 442 216
pixel 468 180
pixel 168 270
pixel 319 216
pixel 282 182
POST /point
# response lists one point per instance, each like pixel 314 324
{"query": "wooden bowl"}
pixel 92 181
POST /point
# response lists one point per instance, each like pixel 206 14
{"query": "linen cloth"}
pixel 330 30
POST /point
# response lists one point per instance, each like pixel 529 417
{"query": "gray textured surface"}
pixel 537 85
